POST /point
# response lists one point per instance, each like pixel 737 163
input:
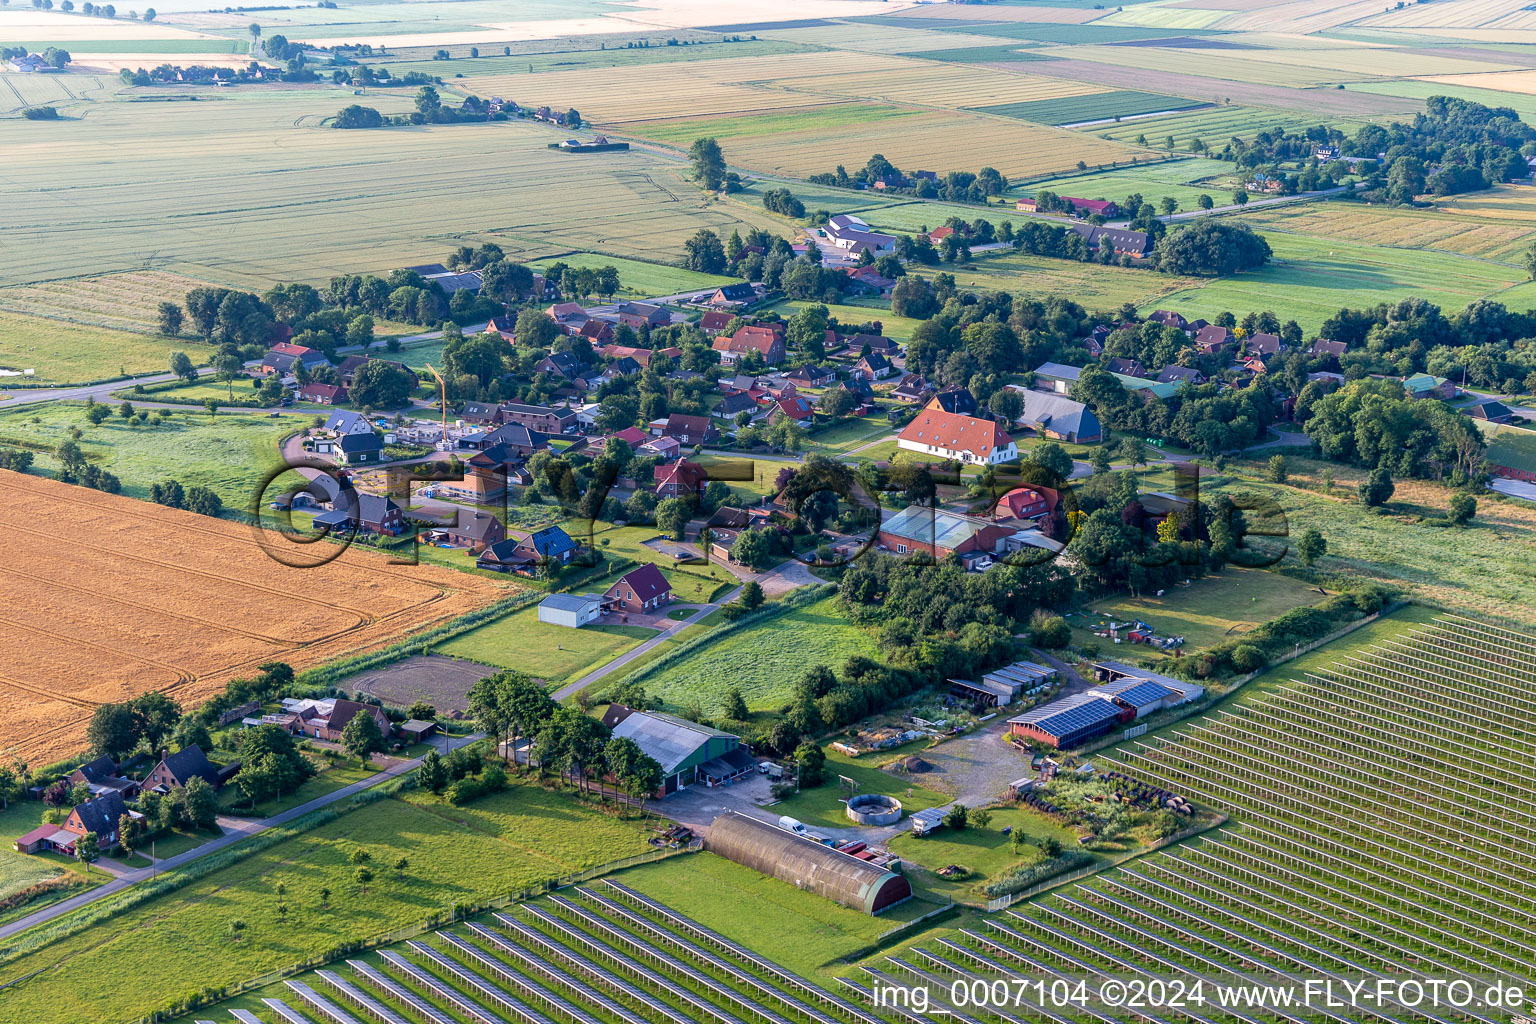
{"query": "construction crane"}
pixel 442 390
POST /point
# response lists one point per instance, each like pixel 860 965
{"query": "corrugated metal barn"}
pixel 806 864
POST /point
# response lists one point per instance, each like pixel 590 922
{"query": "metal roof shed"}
pixel 805 864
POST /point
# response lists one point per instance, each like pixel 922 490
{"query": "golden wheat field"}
pixel 1453 228
pixel 109 598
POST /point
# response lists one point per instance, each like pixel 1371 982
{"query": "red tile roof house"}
pixel 1022 503
pixel 967 439
pixel 767 341
pixel 639 590
pixel 796 407
pixel 1263 345
pixel 715 321
pixel 680 479
pixel 100 816
pixel 323 394
pixel 1211 339
pixel 330 727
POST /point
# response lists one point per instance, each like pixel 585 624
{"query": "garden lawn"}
pixel 824 805
pixel 552 653
pixel 644 280
pixel 849 316
pixel 985 851
pixel 690 583
pixel 333 775
pixel 228 453
pixel 19 870
pixel 242 394
pixel 763 660
pixel 843 437
pixel 1206 612
pixel 795 928
pixel 504 844
pixel 69 353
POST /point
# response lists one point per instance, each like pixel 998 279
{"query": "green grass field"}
pixel 848 315
pixel 1206 612
pixel 1095 286
pixel 68 353
pixel 228 453
pixel 19 870
pixel 504 843
pixel 1093 107
pixel 1310 279
pixel 551 653
pixel 839 440
pixel 592 59
pixel 1184 179
pixel 333 775
pixel 986 851
pixel 636 278
pixel 762 660
pixel 825 804
pixel 798 929
pixel 1071 35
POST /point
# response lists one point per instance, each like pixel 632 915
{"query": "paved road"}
pixel 235 830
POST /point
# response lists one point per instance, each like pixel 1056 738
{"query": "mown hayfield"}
pixel 491 61
pixel 504 843
pixel 872 35
pixel 1310 279
pixel 65 353
pixel 125 302
pixel 762 660
pixel 1095 287
pixel 1484 89
pixel 1016 148
pixel 1185 180
pixel 251 200
pixel 1497 83
pixel 551 653
pixel 1214 124
pixel 641 279
pixel 830 119
pixel 1299 17
pixel 995 53
pixel 141 583
pixel 1447 229
pixel 1464 14
pixel 1160 16
pixel 1098 32
pixel 943 86
pixel 1095 107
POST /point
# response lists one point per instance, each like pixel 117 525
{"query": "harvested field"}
pixel 151 598
pixel 1490 14
pixel 942 86
pixel 1165 17
pixel 1203 86
pixel 1016 148
pixel 1229 66
pixel 1408 229
pixel 1523 82
pixel 125 302
pixel 1211 123
pixel 19 26
pixel 1094 107
pixel 997 53
pixel 440 681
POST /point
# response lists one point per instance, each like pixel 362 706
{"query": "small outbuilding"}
pixel 806 864
pixel 570 610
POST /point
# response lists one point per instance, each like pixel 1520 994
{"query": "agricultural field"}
pixel 59 352
pixel 504 844
pixel 1474 225
pixel 1214 125
pixel 763 660
pixel 228 453
pixel 1485 567
pixel 1102 106
pixel 728 130
pixel 141 579
pixel 1183 179
pixel 1311 278
pixel 388 209
pixel 551 653
pixel 123 302
pixel 642 280
pixel 1094 286
pixel 949 86
pixel 1205 613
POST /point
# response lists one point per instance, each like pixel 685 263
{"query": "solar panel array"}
pixel 564 961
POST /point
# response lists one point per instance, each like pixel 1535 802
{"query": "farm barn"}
pixel 806 864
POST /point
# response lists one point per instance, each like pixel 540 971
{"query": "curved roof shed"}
pixel 806 864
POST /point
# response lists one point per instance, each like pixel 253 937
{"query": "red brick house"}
pixel 639 590
pixel 681 479
pixel 766 341
pixel 796 407
pixel 176 770
pixel 690 429
pixel 323 394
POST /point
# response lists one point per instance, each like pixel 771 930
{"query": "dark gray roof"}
pixel 190 761
pixel 1058 414
pixel 101 814
pixel 354 443
pixel 806 864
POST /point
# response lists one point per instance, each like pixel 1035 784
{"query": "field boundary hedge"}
pixel 796 599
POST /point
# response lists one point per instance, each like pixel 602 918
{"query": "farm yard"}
pixel 140 581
